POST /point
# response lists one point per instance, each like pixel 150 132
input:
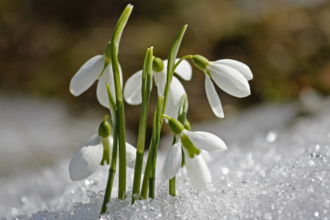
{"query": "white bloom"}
pixel 87 159
pixel 230 75
pixel 132 89
pixel 89 73
pixel 198 172
pixel 192 143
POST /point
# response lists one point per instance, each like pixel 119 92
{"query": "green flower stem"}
pixel 152 156
pixel 172 181
pixel 182 114
pixel 145 182
pixel 146 81
pixel 172 186
pixel 152 186
pixel 108 117
pixel 112 169
pixel 177 63
pixel 152 177
pixel 157 126
pixel 119 98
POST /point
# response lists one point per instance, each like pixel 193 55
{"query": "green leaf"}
pixel 174 49
pixel 157 126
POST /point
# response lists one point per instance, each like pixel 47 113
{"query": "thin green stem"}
pixel 119 99
pixel 152 156
pixel 152 186
pixel 152 176
pixel 177 63
pixel 112 169
pixel 172 187
pixel 109 118
pixel 145 182
pixel 151 162
pixel 146 81
pixel 156 129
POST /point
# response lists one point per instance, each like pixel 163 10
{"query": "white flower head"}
pixel 98 67
pixel 89 157
pixel 196 167
pixel 230 75
pixel 191 143
pixel 97 151
pixel 132 89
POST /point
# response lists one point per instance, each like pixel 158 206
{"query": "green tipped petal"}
pixel 106 152
pixel 186 143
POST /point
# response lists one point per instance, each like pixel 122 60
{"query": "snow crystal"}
pixel 280 173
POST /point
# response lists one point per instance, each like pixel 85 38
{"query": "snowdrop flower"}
pixel 95 152
pixel 98 67
pixel 191 143
pixel 132 89
pixel 230 75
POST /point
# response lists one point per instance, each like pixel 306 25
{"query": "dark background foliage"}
pixel 285 43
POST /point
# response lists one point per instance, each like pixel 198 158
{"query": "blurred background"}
pixel 286 43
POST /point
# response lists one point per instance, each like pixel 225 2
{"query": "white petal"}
pixel 198 172
pixel 130 156
pixel 101 91
pixel 205 140
pixel 174 98
pixel 206 156
pixel 173 161
pixel 132 89
pixel 229 80
pixel 86 75
pixel 239 66
pixel 213 97
pixel 163 177
pixel 160 81
pixel 86 160
pixel 184 69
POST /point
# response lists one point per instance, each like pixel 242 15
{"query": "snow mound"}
pixel 279 174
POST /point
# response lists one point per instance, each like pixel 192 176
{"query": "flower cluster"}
pixel 172 106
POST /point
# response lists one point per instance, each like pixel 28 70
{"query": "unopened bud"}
pixel 157 64
pixel 104 129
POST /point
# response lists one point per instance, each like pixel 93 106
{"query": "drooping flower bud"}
pixel 104 129
pixel 200 62
pixel 157 64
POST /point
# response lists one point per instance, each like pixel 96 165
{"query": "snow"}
pixel 276 167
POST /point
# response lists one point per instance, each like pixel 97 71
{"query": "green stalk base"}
pixel 108 190
pixel 172 187
pixel 152 186
pixel 137 176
